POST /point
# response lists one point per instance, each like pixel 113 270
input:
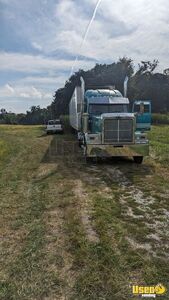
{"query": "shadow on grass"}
pixel 65 149
pixel 42 135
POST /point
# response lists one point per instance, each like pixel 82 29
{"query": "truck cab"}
pixel 99 102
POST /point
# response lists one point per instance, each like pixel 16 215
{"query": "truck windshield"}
pixel 107 108
pixel 146 108
pixel 53 122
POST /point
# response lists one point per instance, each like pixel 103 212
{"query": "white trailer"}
pixel 76 106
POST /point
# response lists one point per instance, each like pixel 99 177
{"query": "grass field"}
pixel 71 230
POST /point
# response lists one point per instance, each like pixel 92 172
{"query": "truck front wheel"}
pixel 138 159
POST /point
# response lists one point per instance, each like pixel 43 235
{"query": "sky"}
pixel 40 40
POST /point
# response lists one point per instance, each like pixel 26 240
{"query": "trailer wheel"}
pixel 138 159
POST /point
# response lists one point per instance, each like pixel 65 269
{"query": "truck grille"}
pixel 118 131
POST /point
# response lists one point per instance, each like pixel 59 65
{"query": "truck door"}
pixel 142 110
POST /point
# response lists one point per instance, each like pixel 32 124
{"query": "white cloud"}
pixel 37 46
pixel 45 80
pixel 122 28
pixel 36 63
pixel 127 28
pixel 35 93
pixel 9 89
pixel 32 92
pixel 24 95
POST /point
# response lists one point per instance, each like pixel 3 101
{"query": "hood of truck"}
pixel 96 120
pixel 118 115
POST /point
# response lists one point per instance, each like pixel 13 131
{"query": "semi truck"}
pixel 105 124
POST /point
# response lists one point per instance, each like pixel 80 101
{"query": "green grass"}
pixel 160 118
pixel 3 150
pixel 159 138
pixel 45 249
pixel 23 205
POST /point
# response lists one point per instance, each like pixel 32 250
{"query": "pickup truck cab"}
pixel 54 126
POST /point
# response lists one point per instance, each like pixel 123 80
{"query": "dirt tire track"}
pixel 84 209
pixel 56 245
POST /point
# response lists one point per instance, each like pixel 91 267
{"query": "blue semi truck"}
pixel 105 124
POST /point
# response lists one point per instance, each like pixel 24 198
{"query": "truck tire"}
pixel 87 158
pixel 80 143
pixel 138 159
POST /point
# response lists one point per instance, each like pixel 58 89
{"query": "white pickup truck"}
pixel 54 126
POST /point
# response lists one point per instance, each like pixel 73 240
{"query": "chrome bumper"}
pixel 110 150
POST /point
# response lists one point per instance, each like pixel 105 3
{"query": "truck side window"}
pixel 146 108
pixel 137 108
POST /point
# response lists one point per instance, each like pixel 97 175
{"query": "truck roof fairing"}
pixel 102 93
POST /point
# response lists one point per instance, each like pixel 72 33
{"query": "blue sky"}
pixel 40 39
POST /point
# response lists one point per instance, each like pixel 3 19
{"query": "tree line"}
pixel 144 84
pixel 35 116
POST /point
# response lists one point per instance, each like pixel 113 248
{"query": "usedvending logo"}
pixel 149 291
